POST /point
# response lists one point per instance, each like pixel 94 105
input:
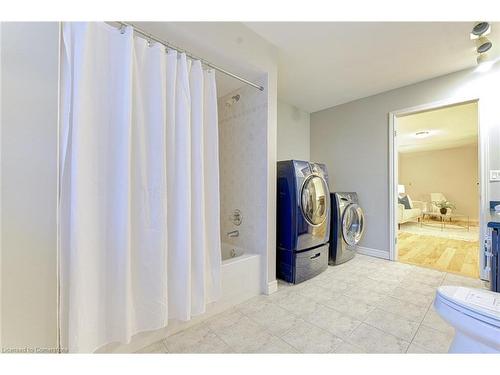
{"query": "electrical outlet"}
pixel 495 175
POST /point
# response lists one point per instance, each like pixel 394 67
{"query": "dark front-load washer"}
pixel 303 220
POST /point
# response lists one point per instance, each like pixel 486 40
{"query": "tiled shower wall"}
pixel 243 167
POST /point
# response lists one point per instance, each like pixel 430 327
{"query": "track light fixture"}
pixel 483 44
pixel 480 29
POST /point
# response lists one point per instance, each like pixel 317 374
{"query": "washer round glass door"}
pixel 315 200
pixel 353 221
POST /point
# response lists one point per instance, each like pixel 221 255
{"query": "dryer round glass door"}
pixel 315 200
pixel 353 221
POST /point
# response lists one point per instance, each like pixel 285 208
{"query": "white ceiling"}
pixel 322 64
pixel 198 37
pixel 449 127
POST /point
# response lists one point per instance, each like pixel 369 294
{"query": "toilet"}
pixel 475 315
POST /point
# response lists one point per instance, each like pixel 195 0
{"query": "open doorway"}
pixel 436 186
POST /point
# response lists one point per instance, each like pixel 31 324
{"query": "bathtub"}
pixel 240 274
pixel 240 279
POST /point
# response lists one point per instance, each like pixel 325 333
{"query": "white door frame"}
pixel 393 172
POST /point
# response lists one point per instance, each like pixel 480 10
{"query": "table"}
pixel 443 218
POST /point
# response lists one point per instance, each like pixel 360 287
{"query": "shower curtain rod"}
pixel 188 54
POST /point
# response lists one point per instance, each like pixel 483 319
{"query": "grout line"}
pixel 306 321
pixel 266 330
pixel 418 328
pixel 221 339
pixel 163 342
pixel 323 305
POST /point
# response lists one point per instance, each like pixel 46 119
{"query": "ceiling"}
pixel 323 64
pixel 198 37
pixel 449 127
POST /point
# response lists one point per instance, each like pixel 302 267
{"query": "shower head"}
pixel 234 99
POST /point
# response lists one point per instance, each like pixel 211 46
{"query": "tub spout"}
pixel 234 233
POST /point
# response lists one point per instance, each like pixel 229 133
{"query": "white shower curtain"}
pixel 139 194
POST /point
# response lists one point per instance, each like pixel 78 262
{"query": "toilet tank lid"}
pixel 483 302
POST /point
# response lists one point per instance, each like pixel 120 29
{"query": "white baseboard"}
pixel 373 252
pixel 272 287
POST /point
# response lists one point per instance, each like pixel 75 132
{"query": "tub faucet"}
pixel 234 233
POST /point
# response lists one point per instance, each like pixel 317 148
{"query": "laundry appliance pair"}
pixel 314 227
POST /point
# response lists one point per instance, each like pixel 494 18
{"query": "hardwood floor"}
pixel 444 254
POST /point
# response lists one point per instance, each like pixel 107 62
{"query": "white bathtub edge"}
pixel 239 258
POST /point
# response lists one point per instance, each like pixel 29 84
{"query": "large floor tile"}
pixel 274 345
pixel 322 277
pixel 404 309
pixel 156 348
pixel 308 287
pixel 372 265
pixel 299 304
pixel 423 271
pixel 348 276
pixel 225 319
pixel 348 348
pixel 307 338
pixel 367 296
pixel 377 341
pixel 418 288
pixel 339 324
pixel 329 288
pixel 367 258
pixel 350 306
pixel 285 294
pixel 451 279
pixel 366 305
pixel 394 271
pixel 433 320
pixel 274 318
pixel 432 340
pixel 412 297
pixel 391 323
pixel 415 349
pixel 256 303
pixel 378 286
pixel 401 267
pixel 198 339
pixel 429 280
pixel 245 336
pixel 386 275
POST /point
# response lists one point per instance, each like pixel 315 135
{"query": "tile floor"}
pixel 367 305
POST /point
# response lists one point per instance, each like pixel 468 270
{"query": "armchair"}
pixel 414 213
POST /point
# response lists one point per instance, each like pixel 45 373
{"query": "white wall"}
pixel 353 140
pixel 29 65
pixel 242 151
pixel 293 132
pixel 451 171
